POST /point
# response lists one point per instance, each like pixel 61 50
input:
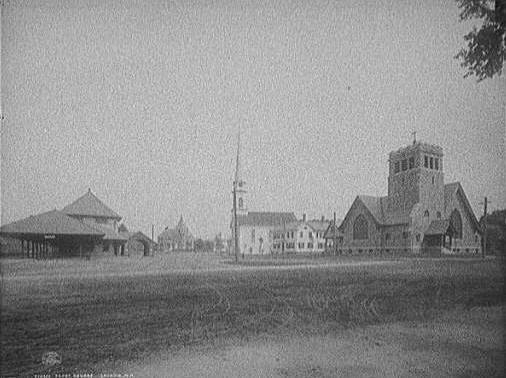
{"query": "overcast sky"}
pixel 141 102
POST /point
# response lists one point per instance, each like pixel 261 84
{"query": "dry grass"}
pixel 91 320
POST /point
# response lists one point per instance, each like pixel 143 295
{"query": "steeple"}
pixel 239 184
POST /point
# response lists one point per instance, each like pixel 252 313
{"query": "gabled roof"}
pixel 90 205
pixel 108 233
pixel 137 235
pixel 50 223
pixel 451 190
pixel 318 225
pixel 378 208
pixel 178 233
pixel 375 207
pixel 332 232
pixel 439 227
pixel 266 219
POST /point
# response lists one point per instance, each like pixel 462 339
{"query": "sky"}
pixel 142 101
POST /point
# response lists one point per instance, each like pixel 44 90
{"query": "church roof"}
pixel 378 206
pixel 450 190
pixel 180 232
pixel 90 205
pixel 439 227
pixel 266 219
pixel 50 223
pixel 454 189
pixel 375 207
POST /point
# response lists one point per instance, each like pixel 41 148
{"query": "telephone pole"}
pixel 236 239
pixel 335 235
pixel 234 193
pixel 484 249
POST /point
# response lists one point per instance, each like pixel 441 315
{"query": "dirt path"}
pixel 457 343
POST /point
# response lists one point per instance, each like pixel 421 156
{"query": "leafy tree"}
pixel 496 232
pixel 198 245
pixel 486 47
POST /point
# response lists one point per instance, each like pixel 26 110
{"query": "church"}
pixel 419 215
pixel 178 239
pixel 255 229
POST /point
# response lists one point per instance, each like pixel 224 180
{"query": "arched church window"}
pixel 426 214
pixel 456 222
pixel 360 228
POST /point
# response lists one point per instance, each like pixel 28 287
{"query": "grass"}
pixel 97 321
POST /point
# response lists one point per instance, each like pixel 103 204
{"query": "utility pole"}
pixel 335 234
pixel 234 192
pixel 236 239
pixel 484 249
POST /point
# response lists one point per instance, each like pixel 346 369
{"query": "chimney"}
pixel 303 217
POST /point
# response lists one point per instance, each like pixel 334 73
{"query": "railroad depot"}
pixel 86 227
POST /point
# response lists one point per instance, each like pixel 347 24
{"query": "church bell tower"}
pixel 239 184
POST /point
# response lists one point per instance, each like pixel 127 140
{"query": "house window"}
pixel 253 235
pixel 426 214
pixel 397 167
pixel 240 203
pixel 456 222
pixel 310 245
pixel 411 162
pixel 426 161
pixel 436 164
pixel 310 235
pixel 250 250
pixel 431 163
pixel 301 234
pixel 405 235
pixel 438 215
pixel 432 180
pixel 404 164
pixel 387 236
pixel 417 237
pixel 301 245
pixel 360 228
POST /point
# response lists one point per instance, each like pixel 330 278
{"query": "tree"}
pixel 496 232
pixel 486 47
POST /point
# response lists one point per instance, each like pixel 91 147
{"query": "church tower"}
pixel 416 176
pixel 239 184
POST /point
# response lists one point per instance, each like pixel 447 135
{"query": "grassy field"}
pixel 103 320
